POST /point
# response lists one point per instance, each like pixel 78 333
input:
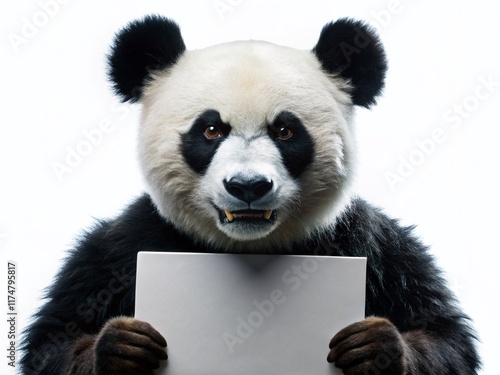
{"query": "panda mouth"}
pixel 227 217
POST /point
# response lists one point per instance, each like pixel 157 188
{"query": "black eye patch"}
pixel 198 149
pixel 297 149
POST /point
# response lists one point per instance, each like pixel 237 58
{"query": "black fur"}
pixel 196 149
pixel 297 151
pixel 74 331
pixel 403 284
pixel 144 46
pixel 352 50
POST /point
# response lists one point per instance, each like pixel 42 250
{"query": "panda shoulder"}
pixel 364 225
pixel 138 228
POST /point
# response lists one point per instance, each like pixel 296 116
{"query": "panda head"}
pixel 247 145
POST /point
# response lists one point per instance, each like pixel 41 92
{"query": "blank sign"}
pixel 248 314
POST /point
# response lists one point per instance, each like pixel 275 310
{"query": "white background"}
pixel 54 88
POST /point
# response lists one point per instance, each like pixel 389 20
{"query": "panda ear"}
pixel 142 47
pixel 352 50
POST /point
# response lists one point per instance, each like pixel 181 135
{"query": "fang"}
pixel 267 214
pixel 229 216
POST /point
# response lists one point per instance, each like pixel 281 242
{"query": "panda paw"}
pixel 128 346
pixel 371 346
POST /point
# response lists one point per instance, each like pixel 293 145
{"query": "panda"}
pixel 248 147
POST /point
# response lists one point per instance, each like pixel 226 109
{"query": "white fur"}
pixel 250 157
pixel 249 83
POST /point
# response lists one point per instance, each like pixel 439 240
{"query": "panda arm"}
pixel 87 291
pixel 412 294
pixel 96 284
pixel 405 288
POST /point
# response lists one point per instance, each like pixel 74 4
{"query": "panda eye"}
pixel 282 132
pixel 212 132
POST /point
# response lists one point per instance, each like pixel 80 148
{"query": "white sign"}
pixel 248 314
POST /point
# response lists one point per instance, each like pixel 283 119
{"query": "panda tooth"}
pixel 229 215
pixel 267 214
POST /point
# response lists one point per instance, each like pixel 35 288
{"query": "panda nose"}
pixel 248 189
